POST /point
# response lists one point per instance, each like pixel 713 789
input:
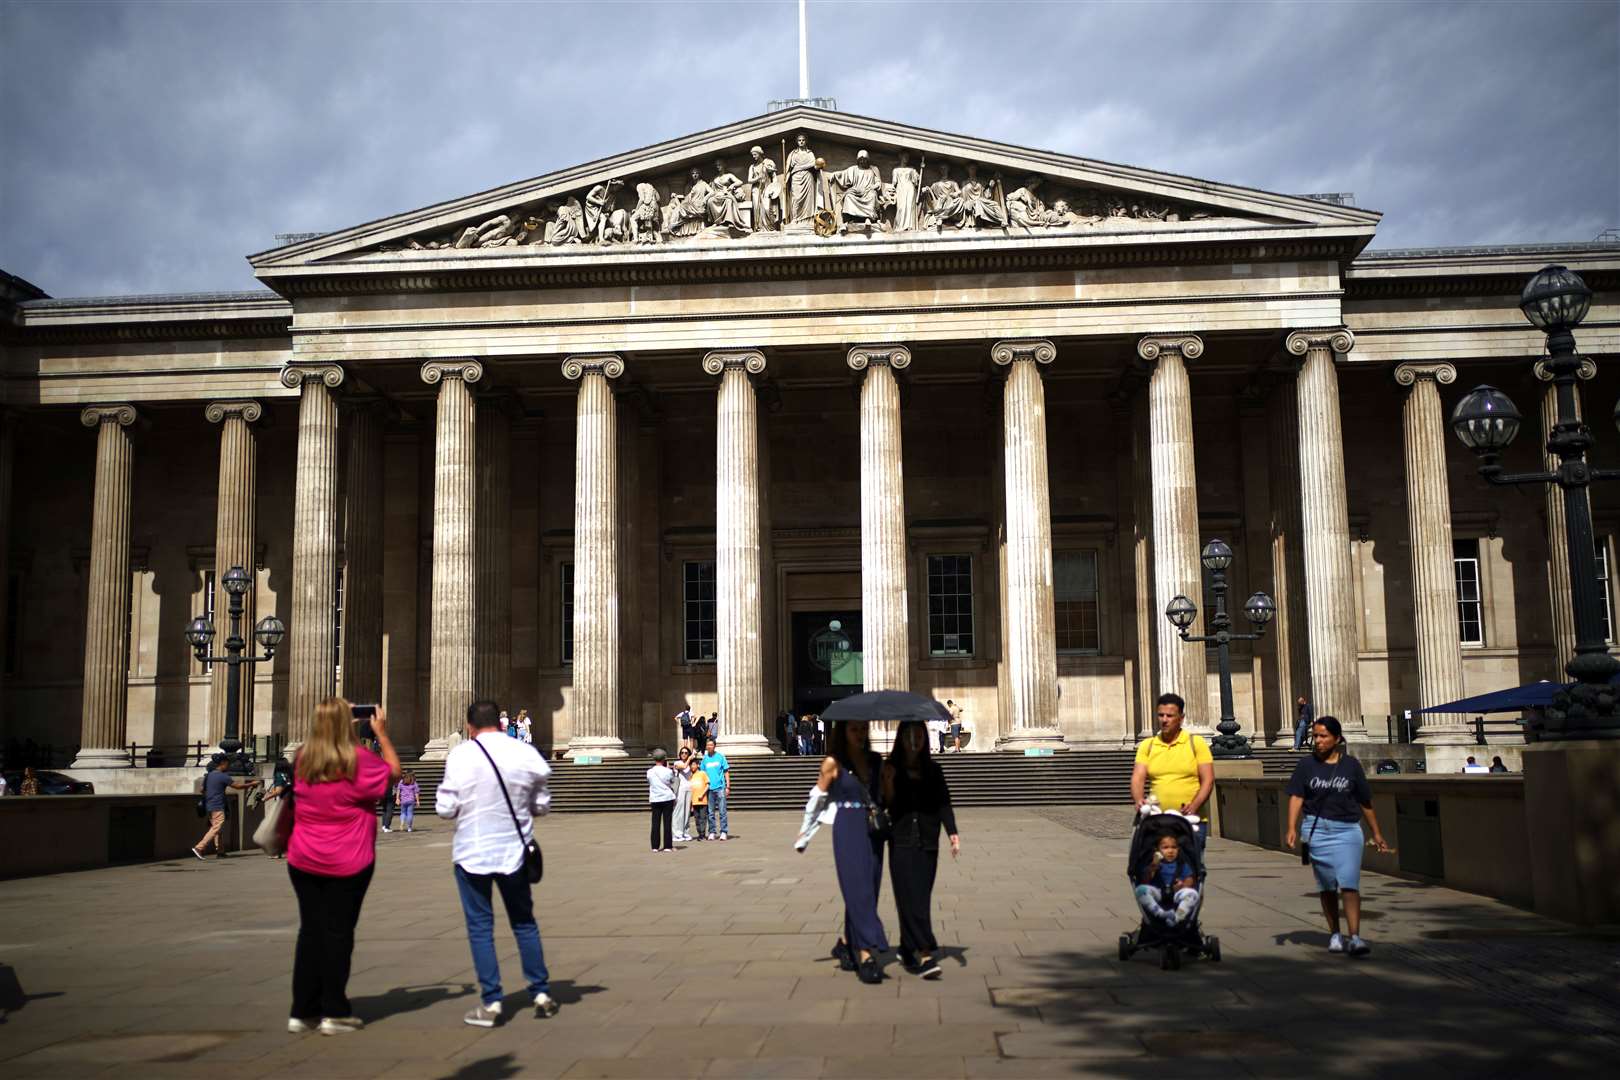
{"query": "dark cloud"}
pixel 149 147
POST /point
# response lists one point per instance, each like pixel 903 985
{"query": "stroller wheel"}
pixel 1125 948
pixel 1172 959
pixel 1213 948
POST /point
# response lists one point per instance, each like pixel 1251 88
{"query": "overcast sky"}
pixel 149 147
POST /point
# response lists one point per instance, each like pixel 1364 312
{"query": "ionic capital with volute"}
pixel 608 365
pixel 218 411
pixel 293 376
pixel 1410 372
pixel 466 369
pixel 1188 346
pixel 1337 339
pixel 1035 350
pixel 1587 370
pixel 96 415
pixel 750 360
pixel 896 357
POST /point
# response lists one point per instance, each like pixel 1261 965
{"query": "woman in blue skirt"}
pixel 1330 790
pixel 851 775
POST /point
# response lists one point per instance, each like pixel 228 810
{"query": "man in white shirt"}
pixel 489 848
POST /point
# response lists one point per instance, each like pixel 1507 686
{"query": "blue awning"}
pixel 1537 695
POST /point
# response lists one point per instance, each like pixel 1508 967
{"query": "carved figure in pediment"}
pixel 942 201
pixel 599 209
pixel 1062 216
pixel 979 201
pixel 647 220
pixel 1025 209
pixel 726 195
pixel 905 194
pixel 765 193
pixel 568 224
pixel 859 188
pixel 801 171
pixel 687 214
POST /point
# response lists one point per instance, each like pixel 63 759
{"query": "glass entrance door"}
pixel 826 658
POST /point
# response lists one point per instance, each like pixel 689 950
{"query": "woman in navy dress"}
pixel 851 775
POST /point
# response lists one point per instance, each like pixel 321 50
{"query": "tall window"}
pixel 697 594
pixel 1470 606
pixel 1075 592
pixel 950 605
pixel 1603 588
pixel 208 613
pixel 337 623
pixel 565 592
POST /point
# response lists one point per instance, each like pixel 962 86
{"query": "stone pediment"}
pixel 806 177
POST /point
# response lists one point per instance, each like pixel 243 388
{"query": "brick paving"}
pixel 713 962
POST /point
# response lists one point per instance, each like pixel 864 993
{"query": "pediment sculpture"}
pixel 805 195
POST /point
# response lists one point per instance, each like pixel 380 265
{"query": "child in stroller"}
pixel 1167 874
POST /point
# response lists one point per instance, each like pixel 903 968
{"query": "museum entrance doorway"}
pixel 826 658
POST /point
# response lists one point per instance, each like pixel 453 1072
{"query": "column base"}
pixel 437 749
pixel 745 746
pixel 1018 740
pixel 105 758
pixel 606 747
pixel 1444 736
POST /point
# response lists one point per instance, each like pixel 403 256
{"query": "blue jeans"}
pixel 717 812
pixel 407 813
pixel 476 905
pixel 1302 734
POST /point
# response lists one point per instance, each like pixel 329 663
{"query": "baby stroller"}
pixel 1184 938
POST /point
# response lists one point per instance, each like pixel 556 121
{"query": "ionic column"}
pixel 311 673
pixel 1325 527
pixel 1031 625
pixel 452 640
pixel 887 654
pixel 1176 546
pixel 595 699
pixel 234 540
pixel 1434 575
pixel 1290 629
pixel 8 450
pixel 739 649
pixel 106 632
pixel 492 670
pixel 1558 591
pixel 363 556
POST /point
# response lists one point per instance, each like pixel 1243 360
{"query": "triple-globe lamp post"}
pixel 1486 420
pixel 200 634
pixel 1260 609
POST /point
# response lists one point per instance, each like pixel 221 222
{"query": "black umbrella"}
pixel 886 705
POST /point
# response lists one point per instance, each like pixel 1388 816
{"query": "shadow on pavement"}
pixel 12 997
pixel 405 999
pixel 567 992
pixel 498 1067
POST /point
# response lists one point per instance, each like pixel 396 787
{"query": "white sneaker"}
pixel 296 1026
pixel 341 1025
pixel 484 1016
pixel 387 829
pixel 723 836
pixel 544 1005
pixel 1336 943
pixel 1359 947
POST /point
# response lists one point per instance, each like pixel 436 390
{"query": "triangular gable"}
pixel 658 202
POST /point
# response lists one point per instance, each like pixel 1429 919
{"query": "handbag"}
pixel 534 863
pixel 877 821
pixel 276 829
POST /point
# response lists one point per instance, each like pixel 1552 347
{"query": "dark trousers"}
pixel 700 819
pixel 663 816
pixel 388 807
pixel 328 909
pixel 911 871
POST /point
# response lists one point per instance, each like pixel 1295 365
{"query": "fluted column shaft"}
pixel 739 592
pixel 1561 599
pixel 363 556
pixel 595 701
pixel 311 672
pixel 106 637
pixel 235 535
pixel 8 452
pixel 452 640
pixel 1325 525
pixel 1031 629
pixel 1434 576
pixel 886 635
pixel 1291 628
pixel 493 664
pixel 1176 546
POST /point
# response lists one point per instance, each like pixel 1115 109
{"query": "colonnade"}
pixel 470 653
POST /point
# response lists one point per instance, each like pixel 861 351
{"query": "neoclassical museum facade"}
pixel 748 420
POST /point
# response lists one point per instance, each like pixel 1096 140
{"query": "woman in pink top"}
pixel 330 857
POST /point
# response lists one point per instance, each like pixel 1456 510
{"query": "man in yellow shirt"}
pixel 1174 764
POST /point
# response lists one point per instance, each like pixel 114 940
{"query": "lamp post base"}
pixel 1584 712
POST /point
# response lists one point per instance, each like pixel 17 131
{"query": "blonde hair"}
pixel 329 753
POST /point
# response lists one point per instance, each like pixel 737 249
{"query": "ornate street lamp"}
pixel 1556 300
pixel 200 634
pixel 1259 608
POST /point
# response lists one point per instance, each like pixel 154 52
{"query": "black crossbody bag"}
pixel 534 864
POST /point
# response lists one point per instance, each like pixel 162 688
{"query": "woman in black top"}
pixel 1330 790
pixel 919 803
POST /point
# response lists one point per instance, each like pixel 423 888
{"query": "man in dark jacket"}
pixel 1307 717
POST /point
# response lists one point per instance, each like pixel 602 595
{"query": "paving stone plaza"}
pixel 713 962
